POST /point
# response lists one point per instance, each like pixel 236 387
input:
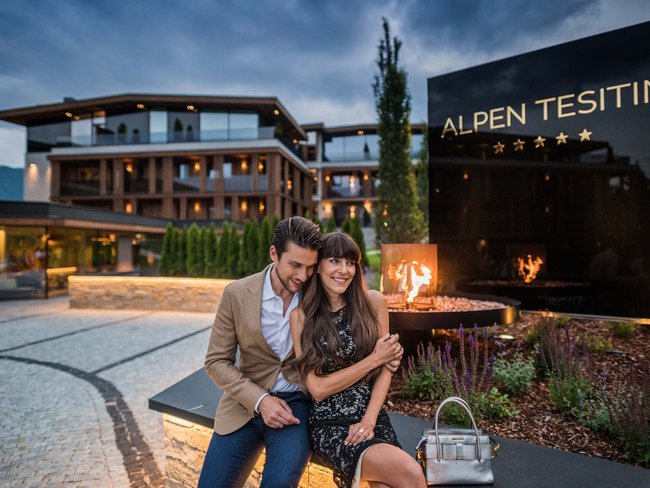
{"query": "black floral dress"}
pixel 330 419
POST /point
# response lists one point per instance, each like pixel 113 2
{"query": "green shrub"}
pixel 540 328
pixel 491 405
pixel 424 384
pixel 514 376
pixel 597 345
pixel 624 330
pixel 570 395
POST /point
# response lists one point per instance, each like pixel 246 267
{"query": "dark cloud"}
pixel 317 57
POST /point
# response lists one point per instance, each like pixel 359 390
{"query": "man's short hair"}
pixel 298 230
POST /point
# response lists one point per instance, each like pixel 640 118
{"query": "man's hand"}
pixel 276 412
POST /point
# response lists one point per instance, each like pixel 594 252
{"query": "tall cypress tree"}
pixel 252 246
pixel 243 265
pixel 398 217
pixel 422 181
pixel 263 244
pixel 210 252
pixel 194 252
pixel 346 226
pixel 222 251
pixel 233 253
pixel 331 225
pixel 181 255
pixel 166 254
pixel 356 232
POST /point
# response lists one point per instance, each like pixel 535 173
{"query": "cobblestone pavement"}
pixel 74 387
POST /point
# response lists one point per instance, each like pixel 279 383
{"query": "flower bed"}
pixel 577 385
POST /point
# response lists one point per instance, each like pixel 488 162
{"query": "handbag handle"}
pixel 463 404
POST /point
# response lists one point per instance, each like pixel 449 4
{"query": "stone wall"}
pixel 185 447
pixel 146 293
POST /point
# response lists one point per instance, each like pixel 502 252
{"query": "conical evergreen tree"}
pixel 331 225
pixel 175 247
pixel 194 252
pixel 242 261
pixel 347 226
pixel 398 217
pixel 233 253
pixel 252 246
pixel 422 180
pixel 166 254
pixel 274 224
pixel 222 251
pixel 356 232
pixel 264 243
pixel 181 260
pixel 210 252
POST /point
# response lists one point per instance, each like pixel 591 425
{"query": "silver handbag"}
pixel 455 456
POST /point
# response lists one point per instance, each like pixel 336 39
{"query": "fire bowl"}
pixel 451 317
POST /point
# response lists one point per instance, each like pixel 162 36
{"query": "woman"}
pixel 344 350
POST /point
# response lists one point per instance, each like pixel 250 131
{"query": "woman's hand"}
pixel 359 432
pixel 388 349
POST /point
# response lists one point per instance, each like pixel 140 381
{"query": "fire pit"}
pixel 409 277
pixel 533 291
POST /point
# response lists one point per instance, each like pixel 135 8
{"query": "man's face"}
pixel 295 266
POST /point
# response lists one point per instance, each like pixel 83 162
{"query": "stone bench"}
pixel 188 409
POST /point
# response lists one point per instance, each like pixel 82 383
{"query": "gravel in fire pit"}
pixel 442 303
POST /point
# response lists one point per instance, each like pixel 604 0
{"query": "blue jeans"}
pixel 231 458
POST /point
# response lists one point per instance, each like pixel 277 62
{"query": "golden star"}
pixel 539 142
pixel 519 145
pixel 498 147
pixel 561 139
pixel 585 135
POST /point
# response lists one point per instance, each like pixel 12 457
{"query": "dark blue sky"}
pixel 317 57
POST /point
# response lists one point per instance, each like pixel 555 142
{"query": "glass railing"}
pixel 242 134
pixel 79 187
pixel 238 183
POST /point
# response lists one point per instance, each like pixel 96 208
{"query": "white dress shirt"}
pixel 275 329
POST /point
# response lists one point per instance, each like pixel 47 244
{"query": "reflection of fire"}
pixel 528 269
pixel 410 277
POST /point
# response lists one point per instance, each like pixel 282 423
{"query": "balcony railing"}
pixel 249 134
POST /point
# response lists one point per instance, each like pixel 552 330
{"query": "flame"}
pixel 414 274
pixel 528 269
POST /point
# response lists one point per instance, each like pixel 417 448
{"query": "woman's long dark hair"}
pixel 318 324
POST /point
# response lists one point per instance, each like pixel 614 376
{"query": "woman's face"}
pixel 335 274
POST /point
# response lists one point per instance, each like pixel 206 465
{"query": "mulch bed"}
pixel 538 421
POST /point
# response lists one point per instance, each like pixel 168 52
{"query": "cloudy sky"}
pixel 316 56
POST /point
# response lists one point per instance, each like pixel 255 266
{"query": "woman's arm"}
pixel 364 429
pixel 321 387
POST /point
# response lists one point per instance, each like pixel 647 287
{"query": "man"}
pixel 262 405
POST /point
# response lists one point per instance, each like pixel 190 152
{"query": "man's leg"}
pixel 287 449
pixel 230 458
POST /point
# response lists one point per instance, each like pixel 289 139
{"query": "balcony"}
pixel 118 139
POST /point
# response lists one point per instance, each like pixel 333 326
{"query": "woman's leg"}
pixel 377 484
pixel 390 465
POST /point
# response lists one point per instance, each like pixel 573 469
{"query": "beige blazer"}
pixel 238 324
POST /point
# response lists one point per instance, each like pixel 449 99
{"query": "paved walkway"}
pixel 74 386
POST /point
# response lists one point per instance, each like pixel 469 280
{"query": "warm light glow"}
pixel 295 141
pixel 197 207
pixel 190 107
pixel 262 206
pixel 327 178
pixel 353 211
pixel 276 112
pixel 360 132
pixel 327 209
pixel 385 212
pixel 76 117
pixel 466 175
pixel 365 177
pixel 529 268
pixel 260 167
pixel 244 206
pixel 140 106
pixel 368 206
pixel 353 182
pixel 129 168
pixel 547 177
pixel 197 167
pixel 128 207
pixel 68 114
pixel 506 337
pixel 410 277
pixel 289 185
pixel 32 165
pixel 63 270
pixel 244 165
